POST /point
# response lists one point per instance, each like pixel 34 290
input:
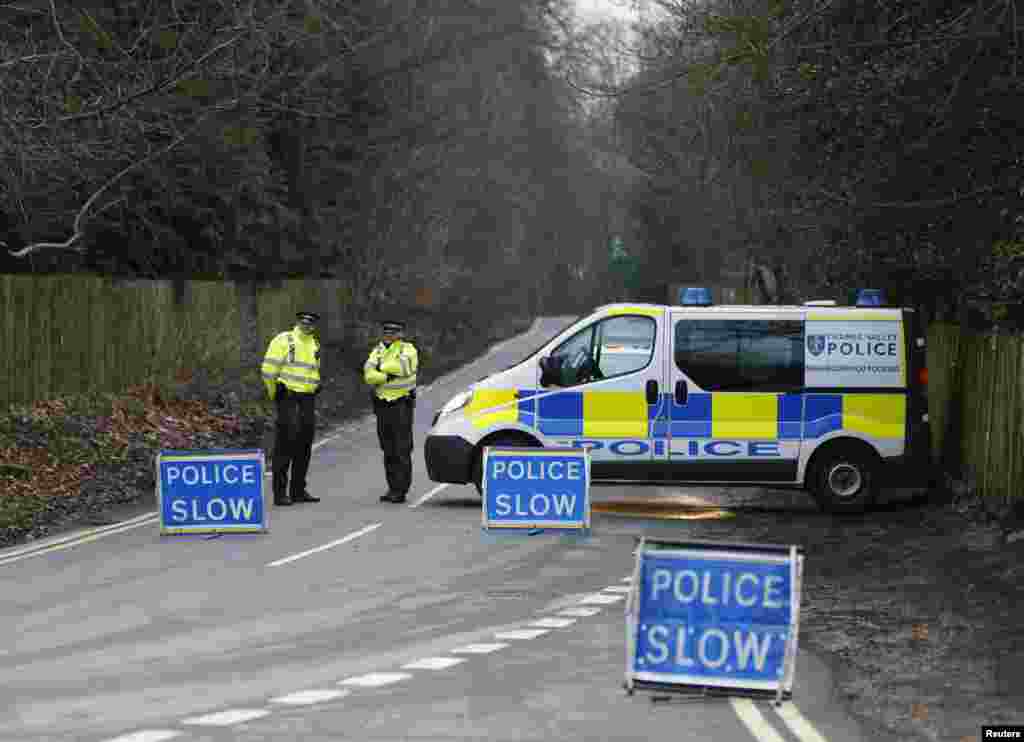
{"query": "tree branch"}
pixel 924 204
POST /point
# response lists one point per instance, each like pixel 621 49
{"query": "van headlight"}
pixel 456 403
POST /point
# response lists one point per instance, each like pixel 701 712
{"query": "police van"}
pixel 829 398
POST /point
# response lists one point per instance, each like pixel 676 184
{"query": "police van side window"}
pixel 741 355
pixel 624 345
pixel 612 347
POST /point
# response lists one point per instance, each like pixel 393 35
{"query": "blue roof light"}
pixel 871 298
pixel 695 296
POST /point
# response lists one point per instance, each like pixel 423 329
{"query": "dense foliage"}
pixel 840 143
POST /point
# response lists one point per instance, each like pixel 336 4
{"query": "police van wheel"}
pixel 843 479
pixel 478 457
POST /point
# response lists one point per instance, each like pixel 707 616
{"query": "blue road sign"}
pixel 530 488
pixel 217 491
pixel 714 616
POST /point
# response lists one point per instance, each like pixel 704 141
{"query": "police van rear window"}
pixel 741 355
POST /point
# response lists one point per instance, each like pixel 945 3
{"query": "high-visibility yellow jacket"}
pixel 391 370
pixel 293 359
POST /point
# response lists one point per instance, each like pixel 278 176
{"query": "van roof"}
pixel 751 308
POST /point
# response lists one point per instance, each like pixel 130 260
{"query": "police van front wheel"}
pixel 502 440
pixel 842 479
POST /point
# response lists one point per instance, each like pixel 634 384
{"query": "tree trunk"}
pixel 247 293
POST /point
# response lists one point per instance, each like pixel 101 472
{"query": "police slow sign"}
pixel 705 615
pixel 536 488
pixel 211 491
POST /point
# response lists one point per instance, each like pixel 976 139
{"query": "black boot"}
pixel 393 497
pixel 281 499
pixel 304 497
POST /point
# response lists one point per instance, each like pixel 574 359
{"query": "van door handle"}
pixel 652 391
pixel 681 392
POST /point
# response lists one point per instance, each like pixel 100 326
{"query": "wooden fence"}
pixel 976 393
pixel 74 334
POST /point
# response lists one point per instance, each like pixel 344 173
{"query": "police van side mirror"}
pixel 548 376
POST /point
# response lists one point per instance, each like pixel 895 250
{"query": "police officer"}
pixel 291 374
pixel 391 372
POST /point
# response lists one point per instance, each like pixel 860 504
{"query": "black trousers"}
pixel 293 442
pixel 394 431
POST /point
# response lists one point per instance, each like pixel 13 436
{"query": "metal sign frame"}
pixel 547 525
pixel 779 690
pixel 216 454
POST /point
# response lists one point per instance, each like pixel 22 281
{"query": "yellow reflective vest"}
pixel 293 359
pixel 401 361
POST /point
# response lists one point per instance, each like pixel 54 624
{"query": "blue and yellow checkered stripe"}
pixel 767 416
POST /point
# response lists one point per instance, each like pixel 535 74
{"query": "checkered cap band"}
pixel 308 316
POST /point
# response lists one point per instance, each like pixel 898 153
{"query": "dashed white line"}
pixel 434 663
pixel 427 496
pixel 332 544
pixel 480 648
pixel 308 697
pixel 376 679
pixel 147 735
pixel 798 724
pixel 600 599
pixel 517 634
pixel 754 720
pixel 581 612
pixel 226 718
pixel 617 589
pixel 553 623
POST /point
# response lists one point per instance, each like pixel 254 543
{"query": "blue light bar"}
pixel 695 296
pixel 871 298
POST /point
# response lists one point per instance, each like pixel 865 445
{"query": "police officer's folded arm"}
pixel 272 364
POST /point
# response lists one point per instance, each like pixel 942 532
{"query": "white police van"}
pixel 830 398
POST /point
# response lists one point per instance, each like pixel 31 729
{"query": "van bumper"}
pixel 449 459
pixel 904 472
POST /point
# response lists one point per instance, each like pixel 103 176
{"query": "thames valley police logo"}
pixel 816 344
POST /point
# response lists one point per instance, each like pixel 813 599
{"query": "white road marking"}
pixel 427 496
pixel 434 663
pixel 325 441
pixel 307 697
pixel 579 612
pixel 754 721
pixel 600 599
pixel 82 538
pixel 798 724
pixel 520 634
pixel 376 679
pixel 617 589
pixel 147 735
pixel 325 547
pixel 480 648
pixel 553 623
pixel 226 718
pixel 627 579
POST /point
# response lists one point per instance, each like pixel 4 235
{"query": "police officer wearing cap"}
pixel 291 375
pixel 391 372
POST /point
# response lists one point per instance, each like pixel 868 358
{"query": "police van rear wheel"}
pixel 843 479
pixel 478 458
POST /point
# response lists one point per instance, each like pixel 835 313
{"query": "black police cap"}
pixel 308 316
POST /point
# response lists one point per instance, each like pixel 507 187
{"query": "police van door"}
pixel 736 402
pixel 602 387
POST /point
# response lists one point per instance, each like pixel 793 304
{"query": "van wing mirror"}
pixel 548 376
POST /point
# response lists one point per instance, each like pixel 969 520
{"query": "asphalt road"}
pixel 403 627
